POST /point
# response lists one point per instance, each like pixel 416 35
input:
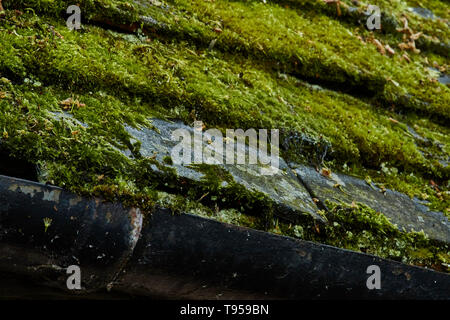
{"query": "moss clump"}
pixel 208 86
pixel 168 160
pixel 359 228
pixel 218 189
pixel 66 96
pixel 179 204
pixel 213 174
pixel 305 48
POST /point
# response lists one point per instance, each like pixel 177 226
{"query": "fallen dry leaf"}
pixel 434 185
pixel 410 45
pixel 395 83
pixel 337 3
pixel 69 102
pixel 317 228
pixel 56 33
pixel 405 29
pixel 416 36
pixel 393 120
pixel 406 57
pixel 389 49
pixel 326 172
pixel 379 45
pixel 405 22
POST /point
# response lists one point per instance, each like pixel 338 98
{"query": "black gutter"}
pixel 99 237
pixel 181 256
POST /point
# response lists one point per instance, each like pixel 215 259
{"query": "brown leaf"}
pixel 405 24
pixel 326 172
pixel 393 120
pixel 317 228
pixel 404 46
pixel 360 39
pixel 389 49
pixel 337 3
pixel 66 103
pixel 416 36
pixel 338 8
pixel 379 46
pixel 411 45
pixel 434 185
pixel 56 33
pixel 405 56
pixel 69 102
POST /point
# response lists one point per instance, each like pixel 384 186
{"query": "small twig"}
pixel 201 198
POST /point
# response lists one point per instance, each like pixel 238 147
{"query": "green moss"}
pixel 213 174
pixel 360 228
pixel 301 41
pixel 168 160
pixel 215 95
pixel 178 204
pixel 257 74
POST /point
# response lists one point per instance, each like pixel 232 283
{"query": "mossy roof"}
pixel 306 67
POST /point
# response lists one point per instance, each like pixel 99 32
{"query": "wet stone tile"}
pixel 291 200
pixel 400 209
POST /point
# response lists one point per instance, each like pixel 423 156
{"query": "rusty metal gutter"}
pixel 181 256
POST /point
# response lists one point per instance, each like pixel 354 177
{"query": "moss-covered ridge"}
pixel 167 71
pixel 305 44
pixel 209 86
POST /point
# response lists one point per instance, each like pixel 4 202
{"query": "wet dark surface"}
pixel 290 197
pixel 10 166
pixel 399 208
pixel 179 257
